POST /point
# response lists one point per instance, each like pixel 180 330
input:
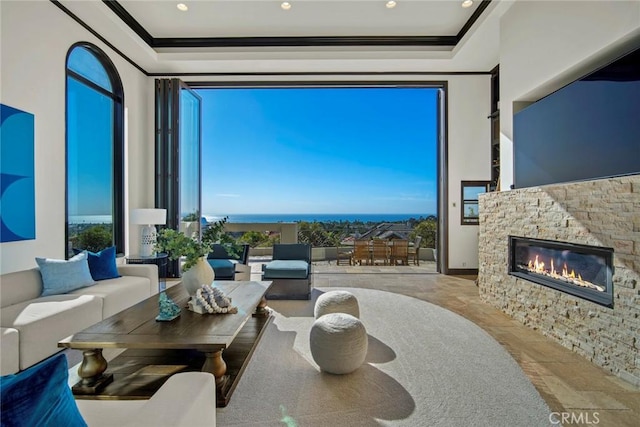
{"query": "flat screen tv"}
pixel 586 130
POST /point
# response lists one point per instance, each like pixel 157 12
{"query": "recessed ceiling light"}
pixel 467 3
pixel 182 7
pixel 285 5
pixel 391 4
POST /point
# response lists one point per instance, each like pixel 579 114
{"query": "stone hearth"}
pixel 604 213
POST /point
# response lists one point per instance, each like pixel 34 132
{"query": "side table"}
pixel 161 260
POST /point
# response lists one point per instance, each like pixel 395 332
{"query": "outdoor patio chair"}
pixel 343 255
pixel 226 265
pixel 290 272
pixel 414 251
pixel 380 251
pixel 399 251
pixel 361 252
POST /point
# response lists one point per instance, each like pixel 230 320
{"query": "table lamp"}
pixel 148 218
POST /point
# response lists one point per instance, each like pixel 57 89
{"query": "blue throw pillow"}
pixel 40 396
pixel 60 276
pixel 102 265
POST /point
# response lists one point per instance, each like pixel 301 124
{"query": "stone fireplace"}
pixel 598 315
pixel 581 270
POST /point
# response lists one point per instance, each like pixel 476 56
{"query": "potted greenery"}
pixel 177 245
pixel 215 234
pixel 196 271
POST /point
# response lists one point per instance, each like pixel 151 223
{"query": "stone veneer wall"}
pixel 603 212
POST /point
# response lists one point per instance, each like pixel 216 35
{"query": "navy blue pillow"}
pixel 40 396
pixel 102 265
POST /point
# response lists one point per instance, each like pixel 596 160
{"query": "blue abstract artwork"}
pixel 17 181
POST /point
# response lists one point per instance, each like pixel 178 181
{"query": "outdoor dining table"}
pixel 370 250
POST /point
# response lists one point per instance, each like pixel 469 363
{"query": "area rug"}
pixel 425 366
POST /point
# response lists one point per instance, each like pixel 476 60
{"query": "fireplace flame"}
pixel 569 276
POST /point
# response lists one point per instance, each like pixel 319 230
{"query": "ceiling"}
pixel 254 36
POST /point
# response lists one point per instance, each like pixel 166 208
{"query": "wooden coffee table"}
pixel 196 341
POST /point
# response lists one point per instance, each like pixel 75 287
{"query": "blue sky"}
pixel 324 150
pixel 89 151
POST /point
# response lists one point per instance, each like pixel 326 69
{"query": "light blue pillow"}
pixel 60 276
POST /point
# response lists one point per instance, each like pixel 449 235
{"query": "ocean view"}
pixel 284 217
pixel 90 219
pixel 320 217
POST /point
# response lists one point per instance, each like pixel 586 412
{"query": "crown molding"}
pixel 310 41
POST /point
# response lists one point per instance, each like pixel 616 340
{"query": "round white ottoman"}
pixel 338 343
pixel 336 302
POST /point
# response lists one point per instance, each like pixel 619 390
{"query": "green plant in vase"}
pixel 196 271
pixel 214 234
pixel 177 245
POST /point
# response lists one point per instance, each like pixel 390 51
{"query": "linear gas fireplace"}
pixel 580 270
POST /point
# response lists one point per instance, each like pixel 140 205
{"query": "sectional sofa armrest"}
pixel 9 351
pixel 149 271
pixel 186 399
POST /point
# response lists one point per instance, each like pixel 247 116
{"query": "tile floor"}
pixel 572 386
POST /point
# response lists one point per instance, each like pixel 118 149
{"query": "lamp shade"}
pixel 148 216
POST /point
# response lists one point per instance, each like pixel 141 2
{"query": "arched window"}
pixel 95 148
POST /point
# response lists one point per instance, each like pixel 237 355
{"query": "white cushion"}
pixel 20 286
pixel 9 351
pixel 44 321
pixel 118 294
pixel 149 271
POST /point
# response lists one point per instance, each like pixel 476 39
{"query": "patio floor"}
pixel 569 383
pixel 330 267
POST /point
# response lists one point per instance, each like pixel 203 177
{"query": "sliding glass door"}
pixel 190 162
pixel 178 157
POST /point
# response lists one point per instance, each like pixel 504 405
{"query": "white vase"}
pixel 200 274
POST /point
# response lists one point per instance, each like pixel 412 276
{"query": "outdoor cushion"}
pixel 223 267
pixel 292 251
pixel 286 269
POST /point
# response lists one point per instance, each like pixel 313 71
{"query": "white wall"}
pixel 35 38
pixel 547 44
pixel 469 132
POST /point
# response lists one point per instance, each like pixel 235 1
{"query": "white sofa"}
pixel 32 325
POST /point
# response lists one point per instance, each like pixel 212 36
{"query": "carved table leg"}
pixel 216 365
pixel 91 371
pixel 261 309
